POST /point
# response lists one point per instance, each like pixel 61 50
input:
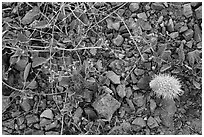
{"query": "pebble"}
pixel 170 25
pixel 139 100
pixel 199 45
pixel 51 126
pixel 174 35
pixel 189 44
pixel 198 12
pixel 52 133
pixel 183 29
pixel 121 90
pixel 44 122
pixel 47 114
pixel 143 83
pixel 197 34
pixel 139 122
pixel 77 115
pixel 187 10
pixel 113 77
pixel 134 6
pixel 142 16
pixel 131 105
pixel 188 34
pixel 151 122
pixel 118 40
pixel 144 24
pixel 106 105
pixel 153 105
pixel 31 119
pixel 25 105
pixel 129 92
pixel 138 72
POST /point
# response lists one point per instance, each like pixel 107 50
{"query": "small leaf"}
pixel 28 18
pixel 38 61
pixel 194 57
pixel 26 71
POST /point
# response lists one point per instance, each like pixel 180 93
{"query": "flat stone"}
pixel 142 16
pixel 157 6
pixel 134 6
pixel 199 45
pixel 25 105
pixel 118 40
pixel 183 29
pixel 143 83
pixel 145 25
pixel 31 119
pixel 174 35
pixel 139 122
pixel 170 25
pixel 187 10
pixel 198 12
pixel 44 122
pixel 113 77
pixel 188 34
pixel 47 114
pixel 189 44
pixel 152 105
pixel 151 122
pixel 197 34
pixel 106 105
pixel 138 72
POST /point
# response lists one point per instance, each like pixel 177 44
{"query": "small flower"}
pixel 166 86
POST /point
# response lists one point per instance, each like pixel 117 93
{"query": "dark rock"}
pixel 139 122
pixel 197 34
pixel 187 10
pixel 170 25
pixel 130 104
pixel 174 35
pixel 90 113
pixel 143 83
pixel 198 12
pixel 106 105
pixel 188 34
pixel 134 6
pixel 157 6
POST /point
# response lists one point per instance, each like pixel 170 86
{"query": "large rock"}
pixel 106 105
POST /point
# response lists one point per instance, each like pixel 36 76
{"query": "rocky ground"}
pixel 85 68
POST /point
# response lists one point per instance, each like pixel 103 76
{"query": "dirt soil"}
pixel 84 68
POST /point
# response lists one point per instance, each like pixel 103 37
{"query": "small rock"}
pixel 157 6
pixel 128 92
pixel 25 105
pixel 198 12
pixel 121 12
pixel 174 35
pixel 189 44
pixel 139 100
pixel 77 115
pixel 138 72
pixel 160 19
pixel 199 45
pixel 121 90
pixel 31 119
pixel 153 105
pixel 131 105
pixel 144 24
pixel 188 34
pixel 113 77
pixel 187 10
pixel 51 126
pixel 197 34
pixel 134 6
pixel 139 122
pixel 143 83
pixel 142 16
pixel 44 122
pixel 106 105
pixel 118 40
pixel 151 122
pixel 47 114
pixel 183 29
pixel 170 25
pixel 90 113
pixel 20 120
pixel 52 133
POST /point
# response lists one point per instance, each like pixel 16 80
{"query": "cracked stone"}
pixel 197 34
pixel 187 10
pixel 106 105
pixel 188 34
pixel 139 122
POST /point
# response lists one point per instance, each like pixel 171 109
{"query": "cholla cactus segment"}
pixel 166 86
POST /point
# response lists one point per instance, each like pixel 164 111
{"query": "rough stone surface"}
pixel 138 100
pixel 183 29
pixel 118 40
pixel 170 25
pixel 153 105
pixel 174 35
pixel 47 114
pixel 157 6
pixel 198 12
pixel 31 119
pixel 121 90
pixel 187 10
pixel 142 16
pixel 106 105
pixel 188 34
pixel 134 6
pixel 197 34
pixel 151 122
pixel 139 122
